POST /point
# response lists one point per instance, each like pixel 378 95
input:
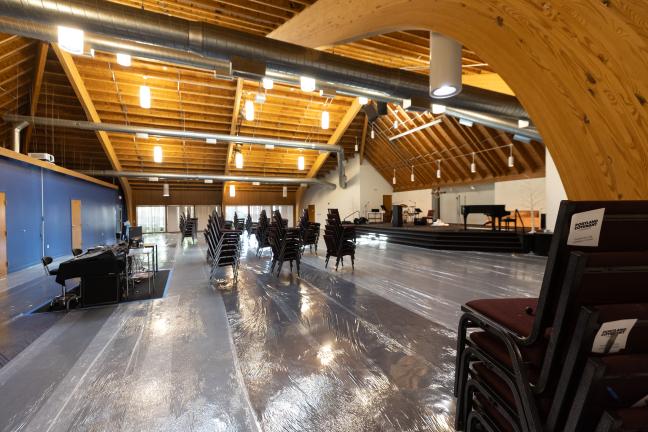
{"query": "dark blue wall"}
pixel 22 184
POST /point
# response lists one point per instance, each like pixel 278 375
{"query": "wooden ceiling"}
pixel 193 99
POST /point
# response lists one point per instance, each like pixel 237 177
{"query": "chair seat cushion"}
pixel 495 348
pixel 53 272
pixel 511 313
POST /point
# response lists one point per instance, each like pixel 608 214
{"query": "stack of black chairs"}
pixel 286 243
pixel 250 227
pixel 223 246
pixel 575 359
pixel 310 231
pixel 261 233
pixel 238 224
pixel 188 226
pixel 340 239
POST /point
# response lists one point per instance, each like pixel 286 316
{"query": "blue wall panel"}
pixel 22 183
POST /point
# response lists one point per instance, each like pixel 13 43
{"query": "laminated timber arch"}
pixel 579 67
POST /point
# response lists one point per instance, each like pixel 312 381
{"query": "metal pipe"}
pixel 495 122
pixel 220 178
pixel 175 133
pixel 18 127
pixel 215 42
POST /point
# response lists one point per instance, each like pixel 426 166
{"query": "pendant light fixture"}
pixel 445 66
pixel 232 191
pixel 372 134
pixel 394 178
pixel 210 140
pixel 268 83
pixel 473 166
pixel 157 154
pixel 142 135
pixel 438 171
pixel 256 183
pixel 356 144
pixel 511 160
pixel 307 84
pixel 300 163
pixel 396 124
pixel 249 110
pixel 70 39
pixel 238 159
pixel 145 96
pixel 363 100
pixel 325 120
pixel 412 175
pixel 269 146
pixel 284 192
pixel 165 190
pixel 124 59
pixel 209 181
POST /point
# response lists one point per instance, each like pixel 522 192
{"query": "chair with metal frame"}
pixel 65 298
pixel 77 252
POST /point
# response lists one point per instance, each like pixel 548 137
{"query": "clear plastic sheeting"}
pixel 319 353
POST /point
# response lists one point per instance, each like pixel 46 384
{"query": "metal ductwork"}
pixel 495 123
pixel 214 42
pixel 219 178
pixel 18 127
pixel 184 134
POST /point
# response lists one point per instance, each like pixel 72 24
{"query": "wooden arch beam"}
pixel 72 73
pixel 591 110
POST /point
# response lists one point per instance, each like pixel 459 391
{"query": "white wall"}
pixel 521 194
pixel 365 188
pixel 554 191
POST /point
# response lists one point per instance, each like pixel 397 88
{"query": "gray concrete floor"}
pixel 370 349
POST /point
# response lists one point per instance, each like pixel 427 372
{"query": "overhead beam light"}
pixel 209 181
pixel 145 96
pixel 269 146
pixel 267 83
pixel 372 133
pixel 416 129
pixel 249 110
pixel 210 140
pixel 142 135
pixel 300 163
pixel 325 119
pixel 256 183
pixel 412 175
pixel 232 191
pixel 307 84
pixel 284 192
pixel 522 138
pixel 473 165
pixel 238 160
pixel 70 39
pixel 445 66
pixel 157 154
pixel 523 123
pixel 165 190
pixel 394 178
pixel 511 160
pixel 465 122
pixel 363 100
pixel 438 171
pixel 260 98
pixel 124 59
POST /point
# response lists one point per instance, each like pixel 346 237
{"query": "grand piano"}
pixel 494 211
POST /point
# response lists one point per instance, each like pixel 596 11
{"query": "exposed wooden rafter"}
pixel 39 71
pixel 88 106
pixel 233 128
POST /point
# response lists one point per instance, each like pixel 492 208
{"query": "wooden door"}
pixel 3 235
pixel 387 203
pixel 77 225
pixel 311 212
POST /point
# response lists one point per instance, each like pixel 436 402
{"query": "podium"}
pixel 397 216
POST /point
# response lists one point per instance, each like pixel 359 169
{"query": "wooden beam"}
pixel 364 138
pixel 233 129
pixel 39 71
pixel 72 73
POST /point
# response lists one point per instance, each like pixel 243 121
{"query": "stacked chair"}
pixel 575 359
pixel 262 233
pixel 238 224
pixel 310 231
pixel 188 226
pixel 285 242
pixel 223 245
pixel 340 239
pixel 250 227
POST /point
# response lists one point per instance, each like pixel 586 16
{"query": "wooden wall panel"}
pixel 178 197
pixel 578 67
pixel 253 197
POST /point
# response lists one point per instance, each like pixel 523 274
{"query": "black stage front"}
pixel 454 237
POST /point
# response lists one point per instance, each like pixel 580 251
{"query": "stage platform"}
pixel 452 237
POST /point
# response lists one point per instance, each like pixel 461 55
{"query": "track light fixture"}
pixel 238 159
pixel 284 192
pixel 523 123
pixel 145 96
pixel 249 110
pixel 325 120
pixel 473 166
pixel 157 154
pixel 300 163
pixel 412 175
pixel 511 160
pixel 394 178
pixel 232 191
pixel 165 190
pixel 438 171
pixel 438 109
pixel 372 133
pixel 356 144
